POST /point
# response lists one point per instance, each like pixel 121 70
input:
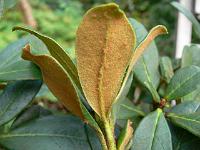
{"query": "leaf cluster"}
pixel 116 61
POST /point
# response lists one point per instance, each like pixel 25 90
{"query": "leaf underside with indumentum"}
pixel 56 79
pixel 104 44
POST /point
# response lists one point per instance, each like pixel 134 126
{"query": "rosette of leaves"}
pixel 106 53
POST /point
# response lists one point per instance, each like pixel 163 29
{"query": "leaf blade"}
pixel 142 68
pixel 96 55
pixel 49 132
pixel 166 68
pixel 16 97
pixel 57 52
pixel 157 134
pixel 183 82
pixel 190 122
pixel 186 107
pixel 60 84
pixel 12 67
pixel 182 139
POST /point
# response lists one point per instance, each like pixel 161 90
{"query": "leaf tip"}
pixel 159 110
pixel 26 52
pixel 14 28
pixel 158 30
pixel 163 29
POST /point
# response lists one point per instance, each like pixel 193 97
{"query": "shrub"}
pixel 111 51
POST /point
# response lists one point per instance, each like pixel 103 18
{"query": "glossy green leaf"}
pixel 122 98
pixel 195 95
pixel 183 82
pixel 190 56
pixel 190 122
pixel 92 139
pixel 129 110
pixel 183 140
pixel 153 91
pixel 186 107
pixel 140 49
pixel 152 133
pixel 29 114
pixel 58 53
pixel 13 67
pixel 16 97
pixel 166 68
pixel 146 68
pixel 189 15
pixel 50 133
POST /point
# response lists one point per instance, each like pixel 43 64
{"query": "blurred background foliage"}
pixel 59 19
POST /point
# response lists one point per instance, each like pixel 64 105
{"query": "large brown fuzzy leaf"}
pixel 56 79
pixel 104 44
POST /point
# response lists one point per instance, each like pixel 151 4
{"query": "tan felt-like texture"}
pixel 56 79
pixel 104 44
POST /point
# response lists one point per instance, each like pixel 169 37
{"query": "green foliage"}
pixel 13 67
pixel 190 56
pixel 59 21
pixel 146 68
pixel 54 132
pixel 16 97
pixel 166 68
pixel 183 82
pixel 153 133
pixel 62 19
pixel 189 15
pixel 58 53
pixel 186 115
pixel 9 3
pixel 183 140
pixel 128 110
pixel 190 122
pixel 157 123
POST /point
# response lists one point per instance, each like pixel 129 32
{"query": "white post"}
pixel 184 30
pixel 197 8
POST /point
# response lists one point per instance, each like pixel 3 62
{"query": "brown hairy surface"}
pixel 104 44
pixel 127 135
pixel 156 31
pixel 56 79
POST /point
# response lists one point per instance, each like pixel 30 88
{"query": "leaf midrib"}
pixel 179 85
pixel 184 118
pixel 134 110
pixel 155 127
pixel 3 136
pixel 146 70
